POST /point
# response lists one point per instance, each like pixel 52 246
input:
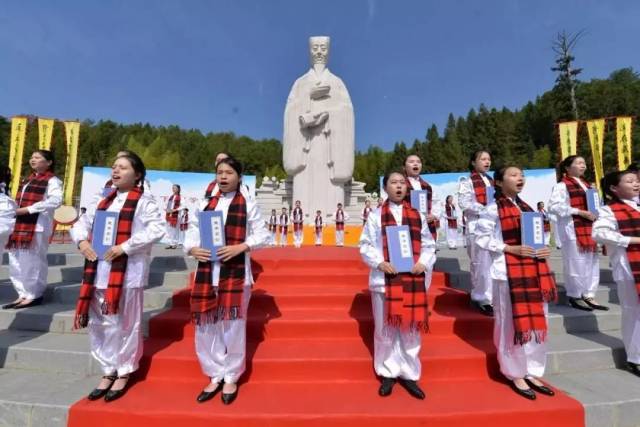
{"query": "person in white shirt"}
pixel 366 211
pixel 340 217
pixel 39 195
pixel 222 288
pixel 111 294
pixel 546 222
pixel 318 226
pixel 473 198
pixel 568 203
pixel 273 227
pixel 283 223
pixel 8 208
pixel 172 217
pixel 451 220
pixel 522 286
pixel 412 170
pixel 297 218
pixel 400 315
pixel 618 227
pixel 184 225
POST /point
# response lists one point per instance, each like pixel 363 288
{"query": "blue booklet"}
pixel 400 248
pixel 211 231
pixel 593 200
pixel 420 201
pixel 491 195
pixel 532 228
pixel 105 229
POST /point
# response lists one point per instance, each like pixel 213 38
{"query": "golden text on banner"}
pixel 568 132
pixel 72 131
pixel 595 129
pixel 16 151
pixel 45 133
pixel 623 141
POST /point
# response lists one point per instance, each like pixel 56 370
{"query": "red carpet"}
pixel 309 361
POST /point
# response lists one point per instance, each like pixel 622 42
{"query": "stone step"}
pixel 611 397
pixel 53 317
pixel 71 259
pixel 564 319
pixel 584 351
pixel 40 399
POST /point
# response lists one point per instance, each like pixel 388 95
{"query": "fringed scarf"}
pixel 582 226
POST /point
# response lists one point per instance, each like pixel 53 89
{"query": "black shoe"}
pixel 10 305
pixel 36 301
pixel 208 395
pixel 228 398
pixel 540 388
pixel 97 393
pixel 116 394
pixel 528 393
pixel 413 388
pixel 594 305
pixel 387 386
pixel 633 368
pixel 579 304
pixel 486 309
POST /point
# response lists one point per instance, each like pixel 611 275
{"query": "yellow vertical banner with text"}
pixel 595 128
pixel 16 151
pixel 568 132
pixel 45 133
pixel 72 131
pixel 623 141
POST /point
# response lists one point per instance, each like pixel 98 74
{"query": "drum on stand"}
pixel 63 217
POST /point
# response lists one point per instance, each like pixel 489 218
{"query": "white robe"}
pixel 581 270
pixel 452 233
pixel 516 361
pixel 340 233
pixel 116 340
pixel 605 231
pixel 28 268
pixel 480 260
pixel 396 352
pixel 318 233
pixel 7 219
pixel 283 222
pixel 320 158
pixel 173 232
pixel 221 346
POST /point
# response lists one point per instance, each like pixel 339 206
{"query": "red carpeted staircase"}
pixel 310 360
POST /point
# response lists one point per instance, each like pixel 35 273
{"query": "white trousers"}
pixel 630 305
pixel 556 235
pixel 221 347
pixel 581 271
pixel 297 238
pixel 339 237
pixel 173 235
pixel 116 340
pixel 480 265
pixel 28 268
pixel 319 238
pixel 516 361
pixel 396 353
pixel 283 238
pixel 273 238
pixel 547 237
pixel 452 237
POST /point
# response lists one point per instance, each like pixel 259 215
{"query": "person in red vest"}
pixel 340 217
pixel 399 300
pixel 618 227
pixel 568 203
pixel 451 217
pixel 546 222
pixel 319 225
pixel 273 227
pixel 366 211
pixel 522 283
pixel 39 195
pixel 172 217
pixel 283 224
pixel 297 218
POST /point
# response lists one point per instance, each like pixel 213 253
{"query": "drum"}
pixel 65 215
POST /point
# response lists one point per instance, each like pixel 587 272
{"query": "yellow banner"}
pixel 45 133
pixel 16 151
pixel 596 138
pixel 568 132
pixel 623 141
pixel 72 130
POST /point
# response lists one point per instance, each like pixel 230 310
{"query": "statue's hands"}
pixel 310 120
pixel 319 91
pixel 322 118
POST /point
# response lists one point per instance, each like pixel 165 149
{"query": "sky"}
pixel 229 65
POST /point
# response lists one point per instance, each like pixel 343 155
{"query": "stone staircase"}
pixel 586 355
pixel 44 365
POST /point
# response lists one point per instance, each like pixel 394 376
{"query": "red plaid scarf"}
pixel 339 220
pixel 297 216
pixel 210 188
pixel 530 281
pixel 545 219
pixel 284 225
pixel 25 226
pixel 405 293
pixel 582 226
pixel 451 213
pixel 424 185
pixel 206 305
pixel 318 222
pixel 172 217
pixel 118 265
pixel 184 225
pixel 479 187
pixel 629 225
pixel 273 223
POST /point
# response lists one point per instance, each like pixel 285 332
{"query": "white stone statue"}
pixel 318 143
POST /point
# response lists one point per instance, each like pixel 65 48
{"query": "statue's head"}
pixel 319 49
